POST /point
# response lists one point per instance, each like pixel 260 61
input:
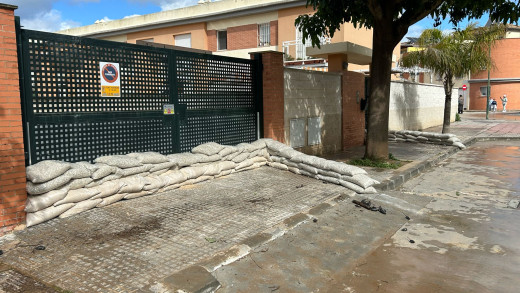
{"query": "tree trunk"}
pixel 378 106
pixel 448 87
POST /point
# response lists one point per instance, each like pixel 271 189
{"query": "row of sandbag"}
pixel 425 137
pixel 67 189
pixel 286 158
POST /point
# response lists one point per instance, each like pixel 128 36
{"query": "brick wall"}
pixel 273 27
pixel 242 37
pixel 498 89
pixel 12 161
pixel 212 40
pixel 353 119
pixel 273 95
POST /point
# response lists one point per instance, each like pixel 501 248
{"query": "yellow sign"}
pixel 110 91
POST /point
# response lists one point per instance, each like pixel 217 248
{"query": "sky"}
pixel 54 15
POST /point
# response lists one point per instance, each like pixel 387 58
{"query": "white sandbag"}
pixel 241 157
pixel 305 173
pixel 88 165
pixel 159 172
pixel 294 170
pixel 225 173
pixel 173 177
pixel 264 153
pixel 133 184
pixel 254 153
pixel 308 168
pixel 289 153
pixel 108 188
pixel 342 168
pixel 246 147
pixel 77 195
pixel 39 202
pixel 212 169
pixel 196 180
pixel 46 214
pixel 369 190
pixel 111 199
pixel 327 179
pixel 352 186
pixel 459 145
pixel 188 159
pixel 78 172
pixel 103 171
pixel 46 170
pixel 227 165
pixel 149 157
pixel 231 156
pixel 227 150
pixel 162 166
pixel 208 149
pixel 422 138
pixel 119 161
pixel 258 144
pixel 152 182
pixel 134 170
pixel 47 186
pixel 360 179
pixel 274 145
pixel 244 164
pixel 278 166
pixel 81 207
pixel 277 159
pixel 98 182
pixel 400 139
pixel 329 173
pixel 138 194
pixel 193 172
pixel 411 140
pixel 213 158
pixel 78 183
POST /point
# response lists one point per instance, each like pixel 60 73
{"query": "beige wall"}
pixel 418 106
pixel 244 53
pixel 310 94
pixel 120 38
pixel 166 35
pixel 243 20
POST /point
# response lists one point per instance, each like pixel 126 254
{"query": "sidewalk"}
pixel 172 240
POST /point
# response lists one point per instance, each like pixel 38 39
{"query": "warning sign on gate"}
pixel 110 79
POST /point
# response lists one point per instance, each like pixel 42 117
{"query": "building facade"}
pixel 504 77
pixel 229 27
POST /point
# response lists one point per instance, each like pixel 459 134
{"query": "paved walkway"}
pixel 135 245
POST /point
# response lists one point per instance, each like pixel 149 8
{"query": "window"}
pixel 183 40
pixel 222 40
pixel 264 35
pixel 483 90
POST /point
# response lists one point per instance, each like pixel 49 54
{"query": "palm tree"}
pixel 454 55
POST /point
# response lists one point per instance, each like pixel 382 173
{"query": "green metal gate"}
pixel 215 98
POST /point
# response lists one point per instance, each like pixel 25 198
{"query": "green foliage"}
pixel 457 117
pixel 375 163
pixel 392 157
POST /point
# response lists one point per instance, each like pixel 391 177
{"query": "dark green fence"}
pixel 215 98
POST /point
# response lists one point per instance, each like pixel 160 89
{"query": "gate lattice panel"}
pixel 216 98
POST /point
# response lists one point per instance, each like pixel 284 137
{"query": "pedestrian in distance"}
pixel 461 104
pixel 490 106
pixel 494 105
pixel 504 102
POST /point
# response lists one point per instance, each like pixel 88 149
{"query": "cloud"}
pixel 49 21
pixel 169 4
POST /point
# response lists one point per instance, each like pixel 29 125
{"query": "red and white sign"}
pixel 110 81
pixel 464 87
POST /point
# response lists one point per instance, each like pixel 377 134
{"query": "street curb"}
pixel 198 277
pixel 399 179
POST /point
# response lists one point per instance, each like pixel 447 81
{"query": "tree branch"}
pixel 409 17
pixel 375 8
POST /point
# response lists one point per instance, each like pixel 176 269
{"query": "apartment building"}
pixel 228 27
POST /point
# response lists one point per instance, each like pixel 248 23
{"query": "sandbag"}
pixel 133 184
pixel 87 165
pixel 246 147
pixel 193 172
pixel 224 173
pixel 162 166
pixel 78 183
pixel 226 165
pixel 227 150
pixel 208 149
pixel 308 168
pixel 77 195
pixel 305 173
pixel 231 156
pixel 241 157
pixel 329 173
pixel 212 169
pixel 46 170
pixel 289 153
pixel 98 182
pixel 78 172
pixel 159 172
pixel 111 199
pixel 264 153
pixel 81 207
pixel 258 144
pixel 47 186
pixel 108 189
pixel 133 171
pixel 196 180
pixel 327 179
pixel 138 194
pixel 187 159
pixel 278 166
pixel 352 186
pixel 244 164
pixel 342 168
pixel 294 170
pixel 459 145
pixel 119 161
pixel 173 177
pixel 152 182
pixel 39 202
pixel 103 171
pixel 360 179
pixel 46 214
pixel 149 157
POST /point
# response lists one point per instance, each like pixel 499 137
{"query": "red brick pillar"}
pixel 12 160
pixel 353 119
pixel 273 94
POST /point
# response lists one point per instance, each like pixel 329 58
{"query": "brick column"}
pixel 353 119
pixel 12 160
pixel 273 94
